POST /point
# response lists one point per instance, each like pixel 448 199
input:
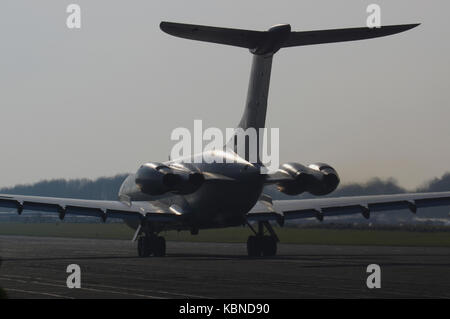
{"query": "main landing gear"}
pixel 260 244
pixel 151 245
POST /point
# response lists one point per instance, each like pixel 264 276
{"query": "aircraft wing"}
pixel 96 208
pixel 320 208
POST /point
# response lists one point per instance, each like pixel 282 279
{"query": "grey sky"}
pixel 103 99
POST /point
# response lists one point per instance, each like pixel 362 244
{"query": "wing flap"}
pixel 85 211
pixel 41 207
pixel 432 202
pixel 304 213
pixel 120 214
pixel 6 202
pixel 345 210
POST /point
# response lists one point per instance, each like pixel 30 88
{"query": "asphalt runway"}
pixel 35 267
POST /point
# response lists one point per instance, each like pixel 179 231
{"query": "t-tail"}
pixel 263 45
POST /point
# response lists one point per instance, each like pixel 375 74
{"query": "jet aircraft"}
pixel 175 195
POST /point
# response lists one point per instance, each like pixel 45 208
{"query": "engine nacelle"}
pixel 158 178
pixel 317 179
pixel 186 179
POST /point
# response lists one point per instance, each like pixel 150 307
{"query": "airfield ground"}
pixel 35 267
pixel 322 263
pixel 288 235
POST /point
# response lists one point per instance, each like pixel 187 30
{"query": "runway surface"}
pixel 35 267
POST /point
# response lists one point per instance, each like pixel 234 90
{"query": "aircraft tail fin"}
pixel 263 45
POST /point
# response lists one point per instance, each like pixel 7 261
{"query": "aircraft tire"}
pixel 144 247
pixel 159 246
pixel 253 246
pixel 268 245
pixel 140 248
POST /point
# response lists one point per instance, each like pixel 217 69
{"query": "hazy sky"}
pixel 103 99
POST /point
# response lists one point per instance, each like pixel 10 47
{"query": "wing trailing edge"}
pixel 281 210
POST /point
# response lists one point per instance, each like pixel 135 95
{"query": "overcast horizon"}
pixel 103 99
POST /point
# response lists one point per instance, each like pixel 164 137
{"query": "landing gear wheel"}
pixel 261 246
pixel 253 246
pixel 144 246
pixel 159 246
pixel 140 248
pixel 268 245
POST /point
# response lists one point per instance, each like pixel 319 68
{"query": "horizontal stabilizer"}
pixel 235 37
pixel 341 35
pixel 279 36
